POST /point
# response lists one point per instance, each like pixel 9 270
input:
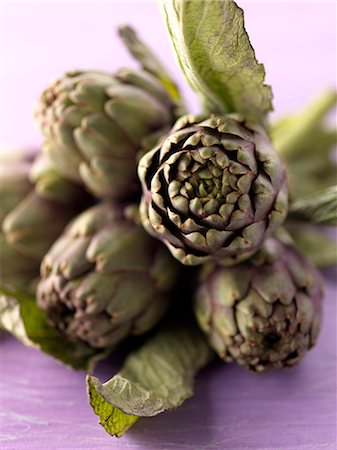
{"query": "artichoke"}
pixel 94 124
pixel 105 278
pixel 213 189
pixel 263 313
pixel 33 224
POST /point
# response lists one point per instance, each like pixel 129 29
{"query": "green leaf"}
pixel 306 144
pixel 319 208
pixel 151 63
pixel 312 172
pixel 312 242
pixel 20 316
pixel 301 133
pixel 157 377
pixel 215 54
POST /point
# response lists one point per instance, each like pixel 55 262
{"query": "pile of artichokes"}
pixel 106 252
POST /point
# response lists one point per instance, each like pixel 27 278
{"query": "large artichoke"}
pixel 263 313
pixel 105 278
pixel 95 123
pixel 213 189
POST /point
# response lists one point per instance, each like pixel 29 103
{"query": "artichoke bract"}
pixel 94 124
pixel 32 225
pixel 263 313
pixel 105 278
pixel 14 186
pixel 14 181
pixel 213 189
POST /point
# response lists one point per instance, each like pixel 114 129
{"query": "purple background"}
pixel 42 404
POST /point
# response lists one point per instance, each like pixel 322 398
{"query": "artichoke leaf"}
pixel 301 133
pixel 316 245
pixel 157 377
pixel 306 142
pixel 215 54
pixel 150 63
pixel 21 317
pixel 318 208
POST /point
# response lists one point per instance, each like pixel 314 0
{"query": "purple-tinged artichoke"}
pixel 105 278
pixel 264 313
pixel 213 189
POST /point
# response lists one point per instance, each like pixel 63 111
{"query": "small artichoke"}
pixel 213 189
pixel 105 278
pixel 263 313
pixel 94 124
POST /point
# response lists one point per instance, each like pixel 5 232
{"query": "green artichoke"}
pixel 33 224
pixel 213 189
pixel 95 123
pixel 105 278
pixel 263 313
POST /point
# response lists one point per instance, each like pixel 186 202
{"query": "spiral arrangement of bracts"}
pixel 213 189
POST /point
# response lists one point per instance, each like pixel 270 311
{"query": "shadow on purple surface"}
pixel 167 421
pixel 180 427
pixel 232 407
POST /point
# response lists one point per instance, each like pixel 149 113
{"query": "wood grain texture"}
pixel 44 405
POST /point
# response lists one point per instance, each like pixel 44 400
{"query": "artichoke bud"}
pixel 94 124
pixel 263 313
pixel 213 189
pixel 105 278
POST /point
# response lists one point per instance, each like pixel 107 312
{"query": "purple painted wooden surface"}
pixel 42 404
